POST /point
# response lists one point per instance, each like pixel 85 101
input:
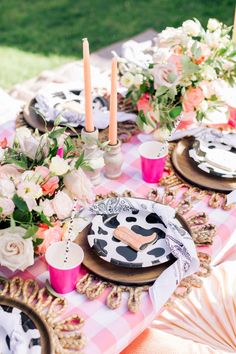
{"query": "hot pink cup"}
pixel 152 161
pixel 63 276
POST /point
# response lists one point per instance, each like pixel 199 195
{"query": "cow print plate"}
pixel 16 325
pixel 101 239
pixel 198 156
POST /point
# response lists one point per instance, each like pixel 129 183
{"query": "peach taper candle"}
pixel 113 104
pixel 89 126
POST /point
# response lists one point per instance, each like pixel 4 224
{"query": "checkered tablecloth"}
pixel 110 331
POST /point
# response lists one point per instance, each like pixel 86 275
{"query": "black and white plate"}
pixel 18 329
pixel 198 154
pixel 144 223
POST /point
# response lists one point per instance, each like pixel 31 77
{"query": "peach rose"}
pixel 49 184
pixel 49 236
pixel 192 98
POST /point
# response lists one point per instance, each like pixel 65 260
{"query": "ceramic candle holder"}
pixel 93 155
pixel 113 158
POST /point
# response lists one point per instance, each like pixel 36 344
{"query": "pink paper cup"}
pixel 152 165
pixel 63 276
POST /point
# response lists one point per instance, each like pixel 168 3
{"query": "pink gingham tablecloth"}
pixel 110 331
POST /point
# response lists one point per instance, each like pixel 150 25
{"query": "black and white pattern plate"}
pixel 142 222
pixel 197 153
pixel 17 329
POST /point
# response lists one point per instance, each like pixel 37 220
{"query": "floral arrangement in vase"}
pixel 41 177
pixel 188 69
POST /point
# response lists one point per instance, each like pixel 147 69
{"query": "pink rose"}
pixel 49 236
pixel 145 105
pixel 78 185
pixel 49 184
pixel 165 75
pixel 192 98
pixel 176 60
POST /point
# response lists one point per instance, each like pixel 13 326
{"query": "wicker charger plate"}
pixel 113 273
pixel 37 122
pixel 45 339
pixel 188 170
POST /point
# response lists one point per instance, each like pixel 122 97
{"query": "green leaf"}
pixel 57 120
pixel 44 219
pixel 38 241
pixel 87 167
pixel 1 210
pixel 188 66
pixel 56 133
pixel 31 231
pixel 20 203
pixel 161 90
pixel 21 216
pixel 175 112
pixel 79 161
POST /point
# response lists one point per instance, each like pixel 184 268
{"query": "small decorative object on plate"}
pixel 39 178
pixel 188 69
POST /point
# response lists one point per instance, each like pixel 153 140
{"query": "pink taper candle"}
pixel 113 104
pixel 234 28
pixel 89 127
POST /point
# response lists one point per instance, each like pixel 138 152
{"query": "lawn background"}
pixel 37 35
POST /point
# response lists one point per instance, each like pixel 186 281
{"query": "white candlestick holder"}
pixel 93 155
pixel 113 158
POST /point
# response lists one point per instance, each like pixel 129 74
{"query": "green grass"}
pixel 37 35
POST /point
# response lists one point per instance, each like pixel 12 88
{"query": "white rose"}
pixel 217 115
pixel 161 134
pixel 59 166
pixel 78 185
pixel 171 37
pixel 28 143
pixel 213 24
pixel 138 79
pixel 15 252
pixel 161 56
pixel 7 206
pixel 7 188
pixel 1 154
pixel 127 80
pixel 208 73
pixel 213 39
pixel 203 106
pixel 46 207
pixel 62 205
pixel 191 27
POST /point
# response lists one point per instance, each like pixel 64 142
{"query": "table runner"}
pixel 110 331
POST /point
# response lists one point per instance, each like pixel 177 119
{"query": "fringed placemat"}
pixel 202 232
pixel 65 333
pixel 174 184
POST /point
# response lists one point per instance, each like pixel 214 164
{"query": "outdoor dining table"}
pixel 110 331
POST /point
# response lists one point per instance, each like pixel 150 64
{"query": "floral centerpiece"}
pixel 41 178
pixel 188 69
